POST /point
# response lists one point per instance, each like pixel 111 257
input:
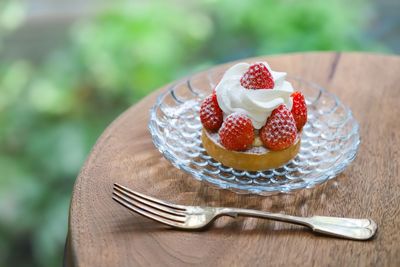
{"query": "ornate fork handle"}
pixel 358 229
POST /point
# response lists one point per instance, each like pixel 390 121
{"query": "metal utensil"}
pixel 197 217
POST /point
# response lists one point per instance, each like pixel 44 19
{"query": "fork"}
pixel 197 217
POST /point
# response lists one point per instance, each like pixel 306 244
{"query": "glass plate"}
pixel 330 139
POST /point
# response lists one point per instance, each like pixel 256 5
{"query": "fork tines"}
pixel 158 210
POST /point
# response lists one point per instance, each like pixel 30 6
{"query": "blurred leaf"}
pixel 12 14
pixel 50 235
pixel 20 196
pixel 62 149
pixel 13 79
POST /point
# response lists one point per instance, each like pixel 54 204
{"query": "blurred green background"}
pixel 68 68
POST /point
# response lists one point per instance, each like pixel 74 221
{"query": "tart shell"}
pixel 249 161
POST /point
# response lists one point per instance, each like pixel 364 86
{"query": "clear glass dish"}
pixel 330 139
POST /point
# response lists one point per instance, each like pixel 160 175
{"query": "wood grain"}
pixel 102 233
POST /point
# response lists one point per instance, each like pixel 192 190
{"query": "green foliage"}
pixel 51 114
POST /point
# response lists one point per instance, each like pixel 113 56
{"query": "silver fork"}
pixel 196 217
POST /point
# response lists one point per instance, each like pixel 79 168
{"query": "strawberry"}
pixel 211 114
pixel 280 130
pixel 257 77
pixel 237 132
pixel 299 110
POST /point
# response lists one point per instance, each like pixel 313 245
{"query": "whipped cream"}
pixel 256 104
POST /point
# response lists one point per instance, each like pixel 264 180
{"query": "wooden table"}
pixel 102 233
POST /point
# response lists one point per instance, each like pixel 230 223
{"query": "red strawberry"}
pixel 257 77
pixel 210 113
pixel 299 110
pixel 280 130
pixel 237 132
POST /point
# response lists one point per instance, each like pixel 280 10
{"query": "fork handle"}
pixel 358 229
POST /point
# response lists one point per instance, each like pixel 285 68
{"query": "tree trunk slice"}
pixel 103 233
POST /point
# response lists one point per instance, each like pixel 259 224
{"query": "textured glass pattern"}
pixel 330 139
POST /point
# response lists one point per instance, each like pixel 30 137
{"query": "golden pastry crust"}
pixel 248 160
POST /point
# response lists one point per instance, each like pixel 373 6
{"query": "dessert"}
pixel 253 119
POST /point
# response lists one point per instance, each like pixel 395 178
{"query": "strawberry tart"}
pixel 253 119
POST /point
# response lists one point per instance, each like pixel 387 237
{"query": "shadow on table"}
pixel 137 224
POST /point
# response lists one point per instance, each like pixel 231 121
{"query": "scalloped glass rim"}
pixel 330 140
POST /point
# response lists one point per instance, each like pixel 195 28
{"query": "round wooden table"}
pixel 103 233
